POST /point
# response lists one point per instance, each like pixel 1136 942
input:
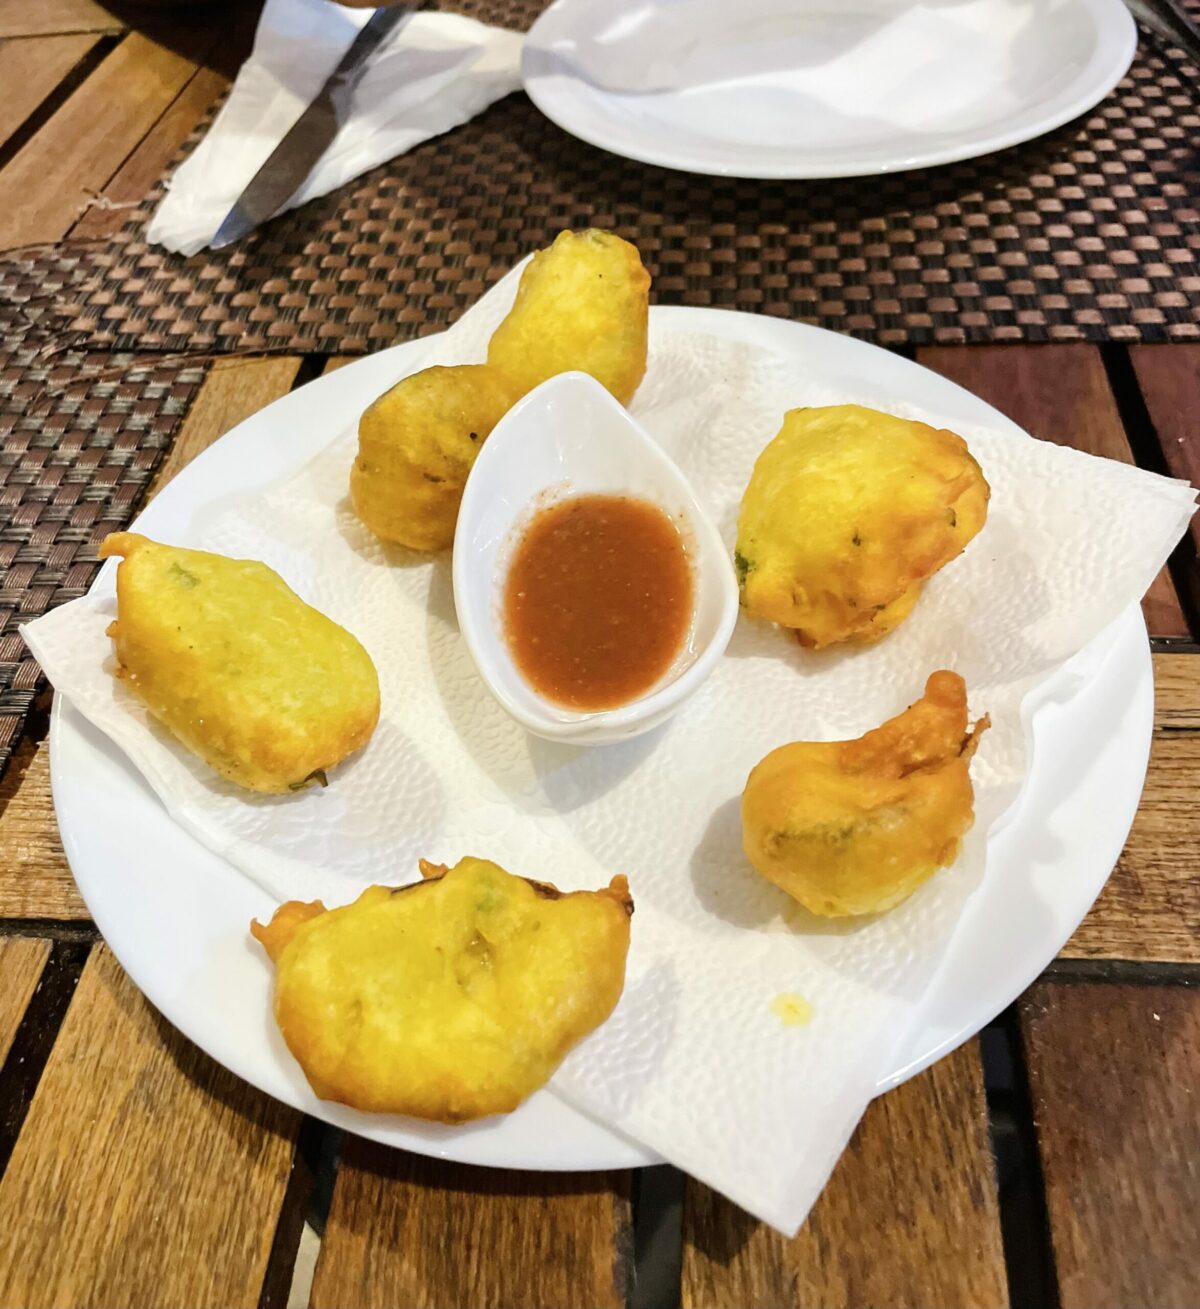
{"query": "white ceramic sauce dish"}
pixel 569 437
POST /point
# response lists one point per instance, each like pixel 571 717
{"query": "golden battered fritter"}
pixel 266 690
pixel 847 513
pixel 452 998
pixel 854 827
pixel 583 303
pixel 416 445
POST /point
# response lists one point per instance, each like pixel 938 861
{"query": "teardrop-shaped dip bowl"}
pixel 570 438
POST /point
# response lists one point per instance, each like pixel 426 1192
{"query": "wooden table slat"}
pixel 35 880
pixel 21 962
pixel 1177 691
pixel 1150 907
pixel 88 138
pixel 909 1217
pixel 1115 1076
pixel 137 176
pixel 1058 393
pixel 425 1234
pixel 49 17
pixel 144 1173
pixel 31 69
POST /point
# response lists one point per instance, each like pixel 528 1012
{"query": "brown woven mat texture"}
pixel 81 435
pixel 1091 233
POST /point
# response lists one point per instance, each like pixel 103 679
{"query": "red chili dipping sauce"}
pixel 598 600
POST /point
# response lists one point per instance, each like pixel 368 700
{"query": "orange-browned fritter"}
pixel 854 827
pixel 848 512
pixel 452 998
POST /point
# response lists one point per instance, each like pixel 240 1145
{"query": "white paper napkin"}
pixel 693 1063
pixel 435 71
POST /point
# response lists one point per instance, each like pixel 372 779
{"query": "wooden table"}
pixel 1053 1160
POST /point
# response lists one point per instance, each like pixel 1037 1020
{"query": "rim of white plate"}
pixel 545 1133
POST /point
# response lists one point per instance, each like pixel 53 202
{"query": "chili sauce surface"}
pixel 598 600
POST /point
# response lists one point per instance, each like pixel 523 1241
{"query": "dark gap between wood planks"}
pixel 56 98
pixel 35 1037
pixel 1146 444
pixel 306 1202
pixel 1024 1221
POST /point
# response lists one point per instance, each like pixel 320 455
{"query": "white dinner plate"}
pixel 176 915
pixel 821 88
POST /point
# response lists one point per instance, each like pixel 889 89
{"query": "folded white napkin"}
pixel 694 1063
pixel 432 73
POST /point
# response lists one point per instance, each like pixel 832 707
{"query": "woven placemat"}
pixel 1090 233
pixel 81 435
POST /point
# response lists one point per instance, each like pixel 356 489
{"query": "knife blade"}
pixel 1170 23
pixel 294 158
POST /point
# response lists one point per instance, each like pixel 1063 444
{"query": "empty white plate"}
pixel 821 88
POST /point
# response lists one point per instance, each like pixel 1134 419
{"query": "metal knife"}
pixel 1170 23
pixel 309 136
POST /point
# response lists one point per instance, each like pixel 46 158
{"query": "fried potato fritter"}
pixel 416 445
pixel 452 998
pixel 583 303
pixel 847 513
pixel 266 690
pixel 854 827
